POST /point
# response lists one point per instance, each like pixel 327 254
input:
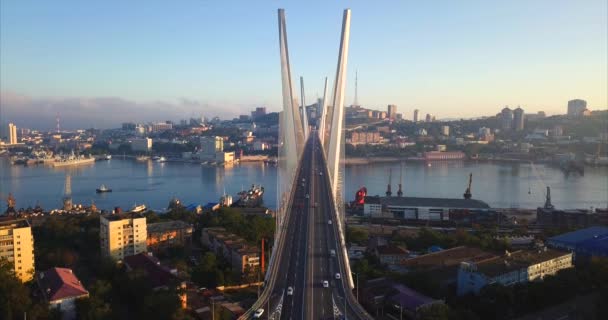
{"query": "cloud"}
pixel 103 112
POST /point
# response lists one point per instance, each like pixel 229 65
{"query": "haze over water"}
pixel 154 184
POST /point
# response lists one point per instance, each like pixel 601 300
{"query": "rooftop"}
pixel 168 225
pixel 449 257
pixel 158 276
pixel 60 283
pixel 9 222
pixel 428 202
pixel 408 298
pixel 516 260
pixel 121 216
pixel 580 236
pixel 391 250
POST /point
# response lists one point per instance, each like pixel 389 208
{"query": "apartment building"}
pixel 122 235
pixel 512 268
pixel 162 235
pixel 17 246
pixel 234 248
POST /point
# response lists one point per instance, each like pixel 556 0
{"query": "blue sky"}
pixel 449 58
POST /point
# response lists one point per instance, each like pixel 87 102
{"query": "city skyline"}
pixel 438 62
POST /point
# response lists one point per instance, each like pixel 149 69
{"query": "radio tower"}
pixel 58 128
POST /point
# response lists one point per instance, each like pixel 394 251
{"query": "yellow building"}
pixel 122 235
pixel 17 246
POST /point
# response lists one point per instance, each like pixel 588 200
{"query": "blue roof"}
pixel 580 236
pixel 435 249
pixel 210 205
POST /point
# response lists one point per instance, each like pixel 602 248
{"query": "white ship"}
pixel 72 160
pixel 139 208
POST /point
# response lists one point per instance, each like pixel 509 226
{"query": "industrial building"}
pixel 17 246
pixel 415 208
pixel 584 243
pixel 122 235
pixel 511 268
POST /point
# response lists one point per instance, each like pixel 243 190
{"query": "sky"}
pixel 158 59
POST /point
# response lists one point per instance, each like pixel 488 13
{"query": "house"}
pixel 391 255
pixel 60 288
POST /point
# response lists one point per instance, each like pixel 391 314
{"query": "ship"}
pixel 138 208
pixel 142 158
pixel 103 189
pixel 72 160
pixel 251 198
pixel 104 157
pixel 161 159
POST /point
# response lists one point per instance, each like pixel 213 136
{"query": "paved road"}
pixel 310 252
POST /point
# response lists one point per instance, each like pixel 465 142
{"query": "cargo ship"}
pixel 253 197
pixel 72 160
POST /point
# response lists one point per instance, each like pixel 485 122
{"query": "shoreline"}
pixel 370 160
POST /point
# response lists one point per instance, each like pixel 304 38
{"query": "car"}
pixel 325 284
pixel 290 291
pixel 329 222
pixel 258 313
pixel 332 252
pixel 307 196
pixel 320 173
pixel 338 276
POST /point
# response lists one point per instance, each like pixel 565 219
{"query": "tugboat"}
pixel 139 208
pixel 103 189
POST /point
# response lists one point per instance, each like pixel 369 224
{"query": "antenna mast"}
pixel 388 188
pixel 467 193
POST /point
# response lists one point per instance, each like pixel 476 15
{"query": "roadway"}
pixel 311 251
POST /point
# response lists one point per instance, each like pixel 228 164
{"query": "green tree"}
pixel 435 311
pixel 15 296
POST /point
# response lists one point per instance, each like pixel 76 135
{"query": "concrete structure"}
pixel 416 112
pixel 584 243
pixel 141 145
pixel 162 235
pixel 60 289
pixel 122 235
pixel 420 208
pixel 576 107
pixel 518 119
pixel 161 126
pixel 506 119
pixel 428 117
pixel 211 145
pixel 379 293
pixel 512 268
pixel 391 111
pixel 447 155
pixel 259 112
pixel 391 255
pixel 445 130
pixel 17 246
pixel 365 137
pixel 234 248
pixel 224 157
pixel 12 134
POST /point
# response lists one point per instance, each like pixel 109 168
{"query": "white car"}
pixel 290 291
pixel 258 313
pixel 338 276
pixel 320 173
pixel 325 284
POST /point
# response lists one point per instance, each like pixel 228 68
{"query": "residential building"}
pixel 212 145
pixel 60 289
pixel 365 137
pixel 506 119
pixel 162 235
pixel 17 246
pixel 584 243
pixel 159 277
pixel 141 145
pixel 512 268
pixel 12 134
pixel 122 235
pixel 259 112
pixel 445 130
pixel 391 254
pixel 415 208
pixel 576 107
pixel 416 112
pixel 161 126
pixel 392 111
pixel 518 119
pixel 234 248
pixel 429 117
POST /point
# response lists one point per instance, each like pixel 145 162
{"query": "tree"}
pixel 435 311
pixel 15 296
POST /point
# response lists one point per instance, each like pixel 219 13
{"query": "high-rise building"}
pixel 17 246
pixel 576 107
pixel 416 115
pixel 506 118
pixel 258 112
pixel 12 133
pixel 392 111
pixel 518 119
pixel 122 235
pixel 141 145
pixel 212 145
pixel 445 130
pixel 429 117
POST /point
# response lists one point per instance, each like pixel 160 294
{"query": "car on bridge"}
pixel 258 313
pixel 325 284
pixel 329 222
pixel 338 277
pixel 290 291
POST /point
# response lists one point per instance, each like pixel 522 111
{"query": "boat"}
pixel 72 160
pixel 155 158
pixel 139 208
pixel 161 159
pixel 142 158
pixel 251 198
pixel 104 157
pixel 103 189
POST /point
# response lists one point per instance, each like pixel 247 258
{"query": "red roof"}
pixel 60 283
pixel 159 276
